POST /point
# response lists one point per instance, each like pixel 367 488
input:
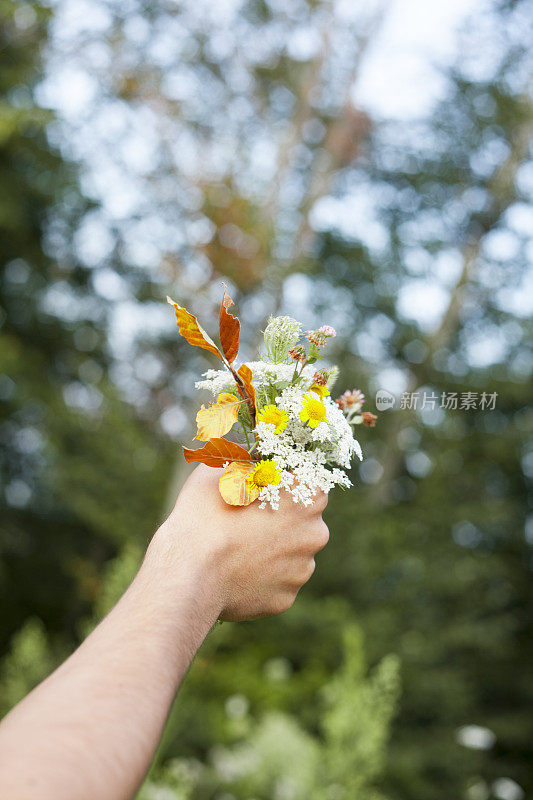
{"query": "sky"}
pixel 400 75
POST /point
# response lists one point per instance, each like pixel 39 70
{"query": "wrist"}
pixel 180 573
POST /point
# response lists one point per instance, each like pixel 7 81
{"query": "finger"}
pixel 319 503
pixel 320 537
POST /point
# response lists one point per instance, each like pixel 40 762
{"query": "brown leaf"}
pixel 192 331
pixel 218 418
pixel 229 327
pixel 216 452
pixel 234 487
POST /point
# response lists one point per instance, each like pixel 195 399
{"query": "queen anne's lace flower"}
pixel 306 469
pixel 220 380
pixel 216 381
pixel 281 334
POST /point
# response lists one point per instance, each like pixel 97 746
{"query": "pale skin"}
pixel 90 730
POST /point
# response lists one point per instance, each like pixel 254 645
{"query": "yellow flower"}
pixel 313 411
pixel 321 391
pixel 273 415
pixel 264 474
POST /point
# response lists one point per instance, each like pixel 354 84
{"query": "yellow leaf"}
pixel 234 487
pixel 218 418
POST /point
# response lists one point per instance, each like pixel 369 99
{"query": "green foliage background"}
pixel 430 553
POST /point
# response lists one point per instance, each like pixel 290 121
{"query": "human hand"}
pixel 249 562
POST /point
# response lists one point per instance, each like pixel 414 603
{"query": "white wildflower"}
pixel 264 373
pixel 217 381
pixel 309 460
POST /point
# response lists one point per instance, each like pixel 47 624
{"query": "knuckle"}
pixel 303 574
pixel 322 536
pixel 282 603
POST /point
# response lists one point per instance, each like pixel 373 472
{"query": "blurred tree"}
pixel 440 562
pixel 275 757
pixel 68 442
pixel 28 662
pixel 36 349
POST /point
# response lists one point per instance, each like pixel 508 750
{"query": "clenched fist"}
pixel 250 562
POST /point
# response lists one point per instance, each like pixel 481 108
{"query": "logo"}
pixel 384 400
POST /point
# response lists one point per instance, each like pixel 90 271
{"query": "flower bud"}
pixel 317 338
pixel 333 374
pixel 280 335
pixel 320 378
pixel 298 353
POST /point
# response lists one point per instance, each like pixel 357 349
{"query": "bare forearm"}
pixel 91 729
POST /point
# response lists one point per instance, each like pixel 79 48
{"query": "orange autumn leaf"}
pixel 247 390
pixel 234 487
pixel 216 452
pixel 229 327
pixel 192 331
pixel 218 418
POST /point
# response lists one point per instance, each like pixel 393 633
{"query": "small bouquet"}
pixel 291 434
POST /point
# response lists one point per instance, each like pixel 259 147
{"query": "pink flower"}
pixel 351 401
pixel 328 331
